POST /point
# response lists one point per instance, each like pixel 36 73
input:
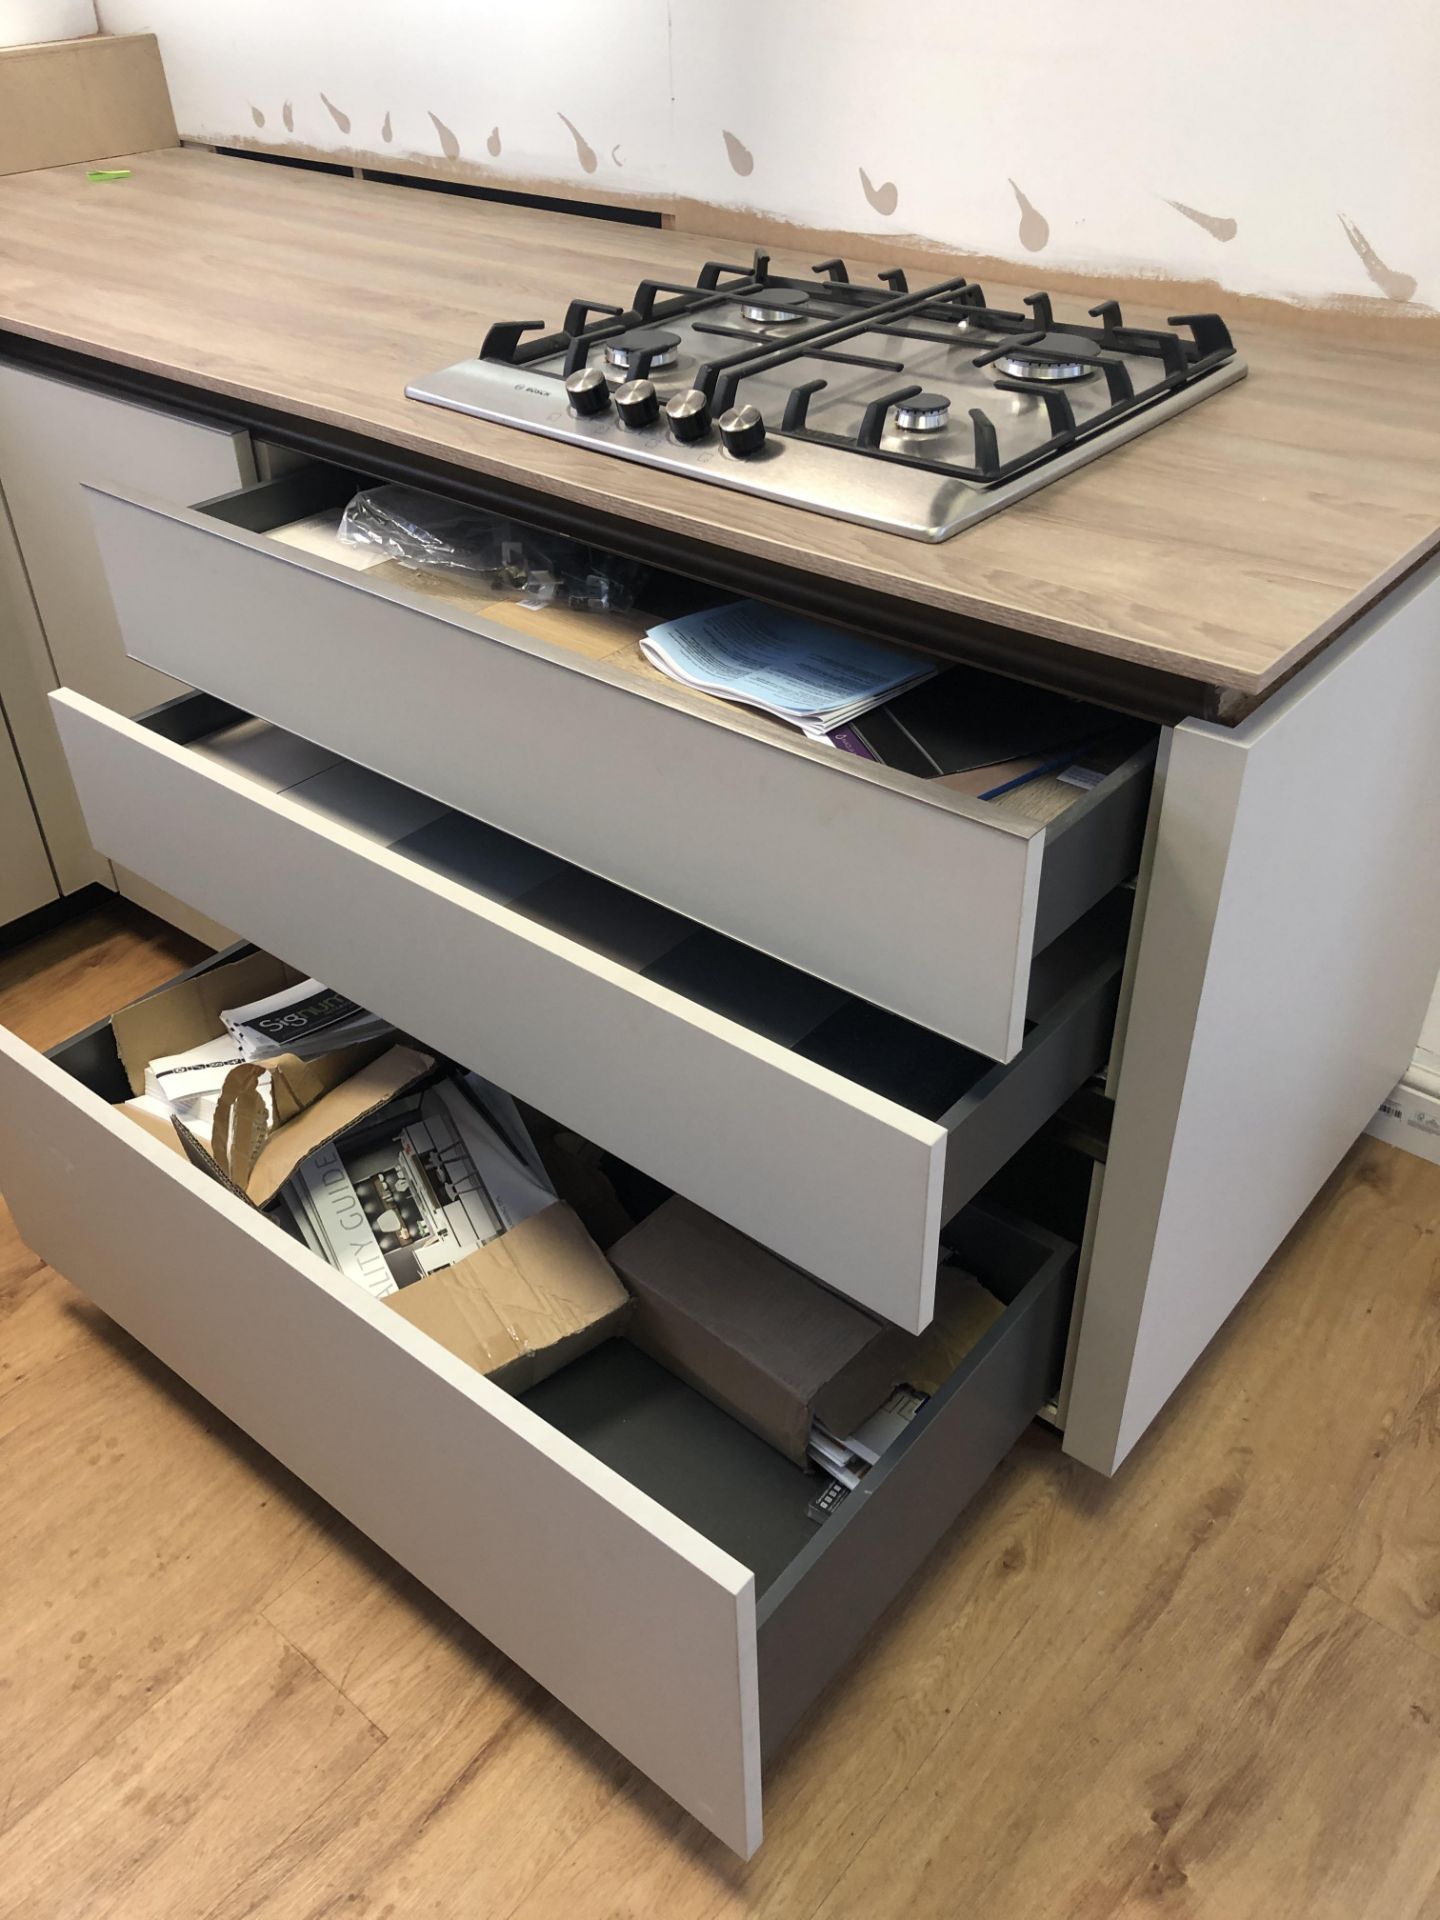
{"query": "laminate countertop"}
pixel 1220 549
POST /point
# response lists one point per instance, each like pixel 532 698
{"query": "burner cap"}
pixel 776 305
pixel 1054 356
pixel 625 348
pixel 923 413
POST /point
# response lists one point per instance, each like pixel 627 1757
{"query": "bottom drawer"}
pixel 714 1608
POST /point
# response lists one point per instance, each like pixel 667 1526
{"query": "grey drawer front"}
pixel 915 899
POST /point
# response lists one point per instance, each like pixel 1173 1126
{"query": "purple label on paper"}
pixel 849 741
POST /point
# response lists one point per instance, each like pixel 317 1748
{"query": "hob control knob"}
pixel 688 414
pixel 743 430
pixel 588 390
pixel 637 403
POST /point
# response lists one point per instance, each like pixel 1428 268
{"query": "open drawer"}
pixel 648 1622
pixel 837 1134
pixel 917 899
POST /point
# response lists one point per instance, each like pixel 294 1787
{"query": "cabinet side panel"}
pixel 1290 943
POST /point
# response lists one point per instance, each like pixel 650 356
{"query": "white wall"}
pixel 1048 132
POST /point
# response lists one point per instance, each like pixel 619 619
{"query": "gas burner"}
pixel 625 349
pixel 775 309
pixel 915 410
pixel 923 413
pixel 1053 356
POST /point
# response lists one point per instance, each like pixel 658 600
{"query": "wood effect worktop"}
pixel 1224 547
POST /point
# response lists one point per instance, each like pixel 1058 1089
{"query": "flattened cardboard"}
pixel 525 1305
pixel 162 1130
pixel 376 1083
pixel 65 101
pixel 751 1332
pixel 187 1013
pixel 518 1310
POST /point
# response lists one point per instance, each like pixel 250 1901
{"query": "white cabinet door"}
pixel 26 881
pixel 54 437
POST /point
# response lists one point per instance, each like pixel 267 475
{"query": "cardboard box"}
pixel 517 1310
pixel 83 100
pixel 751 1332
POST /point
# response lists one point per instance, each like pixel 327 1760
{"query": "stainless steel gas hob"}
pixel 917 412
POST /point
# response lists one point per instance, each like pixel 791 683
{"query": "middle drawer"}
pixel 838 1134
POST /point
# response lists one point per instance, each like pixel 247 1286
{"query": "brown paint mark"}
pixel 492 145
pixel 387 131
pixel 742 161
pixel 1394 286
pixel 287 114
pixel 449 143
pixel 257 116
pixel 1034 227
pixel 1216 225
pixel 584 152
pixel 884 198
pixel 342 120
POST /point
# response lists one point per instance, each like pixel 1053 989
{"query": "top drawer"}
pixel 923 901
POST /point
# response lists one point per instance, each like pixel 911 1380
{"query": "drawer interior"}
pixel 873 1049
pixel 819 1583
pixel 315 496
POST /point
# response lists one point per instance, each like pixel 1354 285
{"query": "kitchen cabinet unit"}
pixel 865 1020
pixel 26 881
pixel 54 434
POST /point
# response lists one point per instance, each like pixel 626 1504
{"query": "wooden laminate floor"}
pixel 1211 1687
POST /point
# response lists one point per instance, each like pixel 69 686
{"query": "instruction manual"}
pixel 431 1178
pixel 814 676
pixel 307 1020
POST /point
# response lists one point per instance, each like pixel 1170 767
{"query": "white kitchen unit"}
pixel 1104 1057
pixel 55 609
pixel 26 880
pixel 1272 848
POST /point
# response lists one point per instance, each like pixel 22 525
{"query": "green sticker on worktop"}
pixel 108 173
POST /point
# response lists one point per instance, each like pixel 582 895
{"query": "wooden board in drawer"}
pixel 914 898
pixel 842 1139
pixel 688 1612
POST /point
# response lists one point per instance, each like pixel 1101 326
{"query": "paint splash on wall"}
pixel 1394 286
pixel 449 143
pixel 1216 225
pixel 884 198
pixel 287 114
pixel 257 116
pixel 742 161
pixel 584 152
pixel 1034 227
pixel 387 131
pixel 492 144
pixel 342 120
